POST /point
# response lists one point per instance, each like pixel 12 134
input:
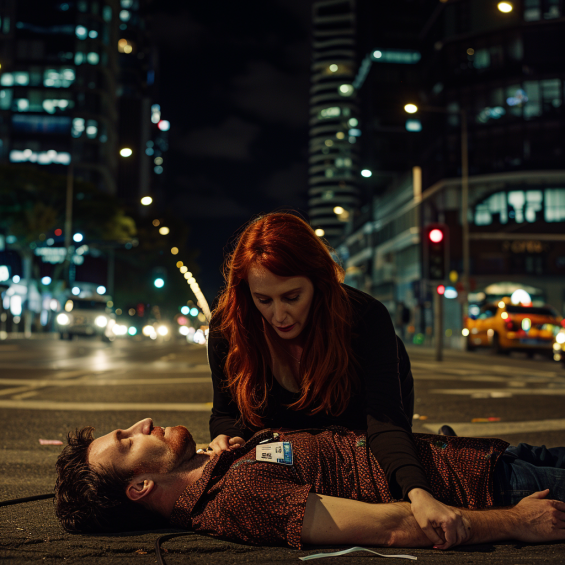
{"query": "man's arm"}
pixel 337 521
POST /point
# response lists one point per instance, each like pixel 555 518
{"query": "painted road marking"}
pixel 500 393
pixel 94 381
pixel 467 429
pixel 105 406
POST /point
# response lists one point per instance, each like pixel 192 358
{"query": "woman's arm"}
pixel 225 414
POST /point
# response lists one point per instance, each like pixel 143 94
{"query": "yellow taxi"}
pixel 507 326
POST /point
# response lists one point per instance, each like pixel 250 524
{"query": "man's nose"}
pixel 138 427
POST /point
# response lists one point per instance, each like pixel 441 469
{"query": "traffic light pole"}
pixel 438 324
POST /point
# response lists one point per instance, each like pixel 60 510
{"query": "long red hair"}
pixel 288 247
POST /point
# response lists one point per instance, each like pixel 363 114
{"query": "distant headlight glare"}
pixel 101 321
pixel 62 319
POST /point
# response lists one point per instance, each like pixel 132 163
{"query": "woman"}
pixel 290 346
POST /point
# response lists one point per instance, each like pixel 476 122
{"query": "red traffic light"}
pixel 440 289
pixel 435 235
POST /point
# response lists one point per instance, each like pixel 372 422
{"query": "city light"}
pixel 346 90
pixel 75 290
pixel 179 264
pixel 164 230
pixel 366 173
pixel 183 330
pixel 440 289
pixel 183 269
pixel 46 280
pixel 505 7
pixel 156 223
pixel 194 311
pixel 436 236
pixel 162 330
pixel 16 278
pixel 333 68
pixel 62 319
pixel 126 152
pixel 377 54
pixel 159 283
pixel 411 108
pixel 185 310
pixel 132 330
pixel 78 237
pixel 164 125
pixel 465 332
pixel 175 250
pixel 319 232
pixel 101 321
pixel 146 200
pixel 101 290
pixel 338 210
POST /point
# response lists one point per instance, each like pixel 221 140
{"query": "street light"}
pixel 505 7
pixel 411 109
pixel 146 200
pixel 126 152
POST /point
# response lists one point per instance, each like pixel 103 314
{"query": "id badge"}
pixel 280 452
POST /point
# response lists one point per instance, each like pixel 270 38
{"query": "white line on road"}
pixel 97 381
pixel 105 406
pixel 467 429
pixel 500 392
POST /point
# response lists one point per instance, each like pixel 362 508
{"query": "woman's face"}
pixel 283 301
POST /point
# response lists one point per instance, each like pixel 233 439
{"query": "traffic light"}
pixel 435 246
pixel 159 277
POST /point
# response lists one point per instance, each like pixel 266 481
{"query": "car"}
pixel 507 327
pixel 86 317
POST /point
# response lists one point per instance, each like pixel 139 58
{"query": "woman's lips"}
pixel 286 329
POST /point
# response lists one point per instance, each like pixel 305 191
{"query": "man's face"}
pixel 284 301
pixel 142 448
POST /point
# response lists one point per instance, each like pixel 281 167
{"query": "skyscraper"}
pixel 333 191
pixel 58 84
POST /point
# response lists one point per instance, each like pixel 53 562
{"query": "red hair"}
pixel 288 247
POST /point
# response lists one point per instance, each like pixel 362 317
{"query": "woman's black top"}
pixel 375 405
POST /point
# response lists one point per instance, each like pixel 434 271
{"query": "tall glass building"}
pixel 334 118
pixel 58 87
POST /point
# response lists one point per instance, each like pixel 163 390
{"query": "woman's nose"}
pixel 280 313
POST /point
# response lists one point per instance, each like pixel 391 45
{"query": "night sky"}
pixel 234 83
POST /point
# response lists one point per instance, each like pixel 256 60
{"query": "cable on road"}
pixel 164 538
pixel 27 499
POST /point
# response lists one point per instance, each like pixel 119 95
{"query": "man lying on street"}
pixel 304 487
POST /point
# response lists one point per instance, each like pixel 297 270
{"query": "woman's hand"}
pixel 223 442
pixel 442 524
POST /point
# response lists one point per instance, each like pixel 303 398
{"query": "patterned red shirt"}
pixel 263 503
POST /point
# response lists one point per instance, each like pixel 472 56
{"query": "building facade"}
pixel 333 155
pixel 504 71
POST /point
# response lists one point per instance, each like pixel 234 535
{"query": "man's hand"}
pixel 539 519
pixel 223 442
pixel 443 525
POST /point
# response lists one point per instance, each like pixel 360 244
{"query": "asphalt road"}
pixel 50 387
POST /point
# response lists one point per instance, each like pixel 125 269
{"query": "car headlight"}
pixel 162 330
pixel 101 321
pixel 62 319
pixel 560 337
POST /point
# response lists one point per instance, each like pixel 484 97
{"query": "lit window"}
pixel 21 78
pixel 554 209
pixel 93 58
pixel 533 107
pixel 22 104
pixel 5 99
pixel 58 78
pixel 79 58
pixel 93 34
pixel 7 79
pixel 532 10
pixel 333 112
pixel 78 127
pixel 91 129
pixel 81 32
pixel 107 13
pixel 42 157
pixel 125 16
pixel 413 125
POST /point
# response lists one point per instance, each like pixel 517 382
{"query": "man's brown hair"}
pixel 94 500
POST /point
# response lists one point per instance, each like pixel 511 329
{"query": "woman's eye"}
pixel 293 299
pixel 263 301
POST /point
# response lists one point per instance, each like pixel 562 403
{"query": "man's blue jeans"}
pixel 525 469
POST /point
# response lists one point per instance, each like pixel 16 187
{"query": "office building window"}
pixel 532 10
pixel 41 124
pixel 26 49
pixel 5 99
pixel 58 78
pixel 107 13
